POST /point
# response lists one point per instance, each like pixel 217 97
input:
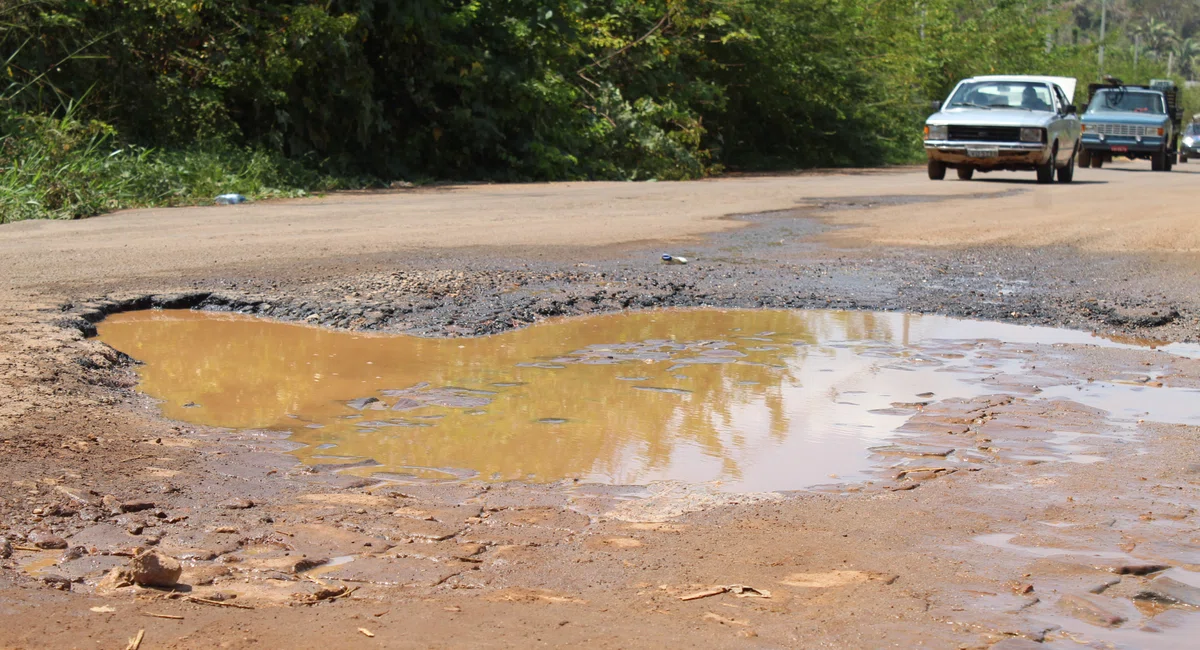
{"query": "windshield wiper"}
pixel 971 104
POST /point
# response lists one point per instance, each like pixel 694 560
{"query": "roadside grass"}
pixel 65 168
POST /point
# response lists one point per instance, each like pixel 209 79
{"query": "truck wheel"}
pixel 1158 162
pixel 1045 173
pixel 1170 162
pixel 1067 174
pixel 965 173
pixel 1085 158
pixel 1182 158
pixel 1097 161
pixel 937 170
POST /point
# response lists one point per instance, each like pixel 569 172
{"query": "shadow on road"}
pixel 1147 170
pixel 1033 181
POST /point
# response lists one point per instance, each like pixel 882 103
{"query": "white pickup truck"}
pixel 1006 122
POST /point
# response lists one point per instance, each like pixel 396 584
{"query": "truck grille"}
pixel 986 133
pixel 1127 130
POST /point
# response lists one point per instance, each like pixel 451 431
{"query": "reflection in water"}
pixel 757 400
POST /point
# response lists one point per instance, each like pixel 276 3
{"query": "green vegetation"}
pixel 112 104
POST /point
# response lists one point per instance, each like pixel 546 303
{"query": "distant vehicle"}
pixel 1005 122
pixel 1190 147
pixel 1132 121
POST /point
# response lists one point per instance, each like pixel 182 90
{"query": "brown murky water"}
pixel 750 400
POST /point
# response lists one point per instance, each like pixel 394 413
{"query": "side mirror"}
pixel 935 105
pixel 1070 109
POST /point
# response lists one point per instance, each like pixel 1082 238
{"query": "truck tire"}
pixel 1045 173
pixel 937 170
pixel 1085 158
pixel 1182 158
pixel 1170 163
pixel 965 173
pixel 1158 161
pixel 1097 161
pixel 1067 174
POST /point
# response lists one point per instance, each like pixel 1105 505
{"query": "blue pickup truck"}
pixel 1136 122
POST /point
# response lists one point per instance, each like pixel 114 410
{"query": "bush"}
pixel 64 168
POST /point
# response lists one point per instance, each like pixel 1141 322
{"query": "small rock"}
pixel 135 528
pixel 155 569
pixel 42 539
pixel 238 504
pixel 1090 609
pixel 1137 569
pixel 90 515
pixel 5 548
pixel 73 553
pixel 116 579
pixel 1103 585
pixel 56 581
pixel 136 506
pixel 111 503
pixel 362 402
pixel 1168 589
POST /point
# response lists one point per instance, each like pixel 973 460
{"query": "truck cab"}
pixel 1135 122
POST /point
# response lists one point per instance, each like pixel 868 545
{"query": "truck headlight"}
pixel 1031 135
pixel 938 131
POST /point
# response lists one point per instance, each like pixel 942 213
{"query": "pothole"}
pixel 745 400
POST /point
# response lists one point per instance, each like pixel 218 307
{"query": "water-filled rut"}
pixel 748 399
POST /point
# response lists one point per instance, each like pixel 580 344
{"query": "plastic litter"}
pixel 672 259
pixel 230 199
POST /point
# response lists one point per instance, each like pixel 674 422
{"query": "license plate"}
pixel 1120 149
pixel 983 152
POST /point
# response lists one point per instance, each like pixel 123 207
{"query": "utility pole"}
pixel 1049 29
pixel 1137 49
pixel 1103 24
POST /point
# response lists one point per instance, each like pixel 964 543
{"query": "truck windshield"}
pixel 1120 100
pixel 1029 96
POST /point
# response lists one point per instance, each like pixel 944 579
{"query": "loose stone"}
pixel 136 506
pixel 1166 588
pixel 42 539
pixel 238 504
pixel 155 569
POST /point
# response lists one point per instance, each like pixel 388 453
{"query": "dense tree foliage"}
pixel 527 89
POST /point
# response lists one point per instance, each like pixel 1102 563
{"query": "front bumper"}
pixel 1124 144
pixel 1009 155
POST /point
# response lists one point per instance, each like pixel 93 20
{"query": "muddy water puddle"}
pixel 750 400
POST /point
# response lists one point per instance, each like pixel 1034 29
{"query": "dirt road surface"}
pixel 1011 545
